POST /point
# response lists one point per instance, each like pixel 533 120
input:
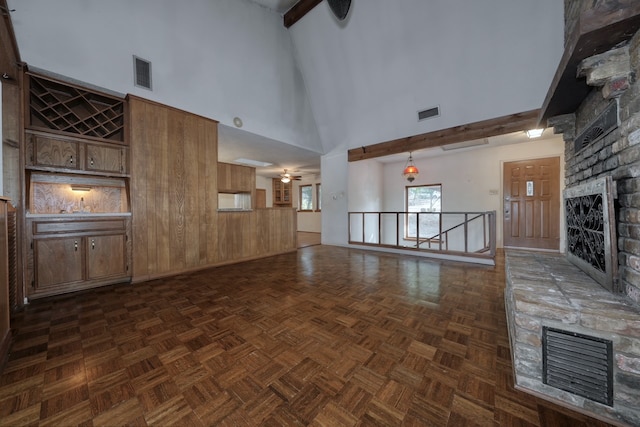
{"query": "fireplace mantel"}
pixel 597 31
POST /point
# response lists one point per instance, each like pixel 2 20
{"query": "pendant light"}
pixel 410 171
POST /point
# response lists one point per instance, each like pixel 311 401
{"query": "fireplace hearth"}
pixel 592 291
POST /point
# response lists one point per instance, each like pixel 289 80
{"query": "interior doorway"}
pixel 532 204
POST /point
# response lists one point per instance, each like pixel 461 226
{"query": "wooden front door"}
pixel 532 203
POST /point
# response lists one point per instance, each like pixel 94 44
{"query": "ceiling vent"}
pixel 428 113
pixel 141 72
pixel 579 364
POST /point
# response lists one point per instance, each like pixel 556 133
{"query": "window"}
pixel 319 197
pixel 426 199
pixel 306 197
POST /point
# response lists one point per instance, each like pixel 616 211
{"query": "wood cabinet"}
pixel 236 178
pixel 76 182
pixel 282 193
pixel 69 255
pixel 71 154
pixel 102 158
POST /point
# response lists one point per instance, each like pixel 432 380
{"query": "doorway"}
pixel 532 204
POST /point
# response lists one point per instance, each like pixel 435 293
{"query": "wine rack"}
pixel 61 107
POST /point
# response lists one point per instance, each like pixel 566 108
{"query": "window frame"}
pixel 407 212
pixel 300 189
pixel 318 197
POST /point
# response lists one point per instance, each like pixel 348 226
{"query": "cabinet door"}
pixel 57 261
pixel 106 256
pixel 52 152
pixel 105 159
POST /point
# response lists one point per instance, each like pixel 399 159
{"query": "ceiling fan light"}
pixel 285 179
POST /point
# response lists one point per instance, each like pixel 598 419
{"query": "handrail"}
pixel 473 235
pixel 450 229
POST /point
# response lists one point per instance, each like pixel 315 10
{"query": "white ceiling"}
pixel 279 6
pixel 235 143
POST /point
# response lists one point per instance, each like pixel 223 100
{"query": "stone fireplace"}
pixel 575 337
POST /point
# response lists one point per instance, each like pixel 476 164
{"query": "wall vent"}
pixel 429 113
pixel 579 364
pixel 141 72
pixel 599 128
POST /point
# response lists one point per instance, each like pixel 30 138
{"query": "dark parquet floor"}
pixel 325 336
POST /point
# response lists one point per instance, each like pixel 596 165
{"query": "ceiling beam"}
pixel 298 11
pixel 477 130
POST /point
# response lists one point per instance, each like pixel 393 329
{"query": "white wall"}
pixel 334 197
pixel 216 58
pixel 468 177
pixel 266 184
pixel 369 75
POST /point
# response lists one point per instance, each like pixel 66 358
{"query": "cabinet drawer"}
pixel 52 227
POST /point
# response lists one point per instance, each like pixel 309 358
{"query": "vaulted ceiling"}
pixel 321 85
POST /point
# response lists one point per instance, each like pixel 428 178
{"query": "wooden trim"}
pixel 482 129
pixel 168 107
pixel 5 344
pixel 298 11
pixel 10 62
pixel 598 30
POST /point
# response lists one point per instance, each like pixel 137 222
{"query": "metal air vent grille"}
pixel 601 126
pixel 428 113
pixel 579 364
pixel 141 72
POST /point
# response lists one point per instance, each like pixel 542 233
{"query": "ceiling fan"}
pixel 287 177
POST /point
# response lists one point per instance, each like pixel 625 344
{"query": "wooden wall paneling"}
pixel 191 189
pixel 207 191
pixel 264 230
pixel 178 143
pixel 162 201
pixel 178 177
pixel 12 172
pixel 140 183
pixel 5 320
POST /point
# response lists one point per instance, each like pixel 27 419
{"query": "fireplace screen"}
pixel 591 242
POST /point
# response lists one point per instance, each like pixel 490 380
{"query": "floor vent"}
pixel 141 72
pixel 601 126
pixel 579 364
pixel 428 113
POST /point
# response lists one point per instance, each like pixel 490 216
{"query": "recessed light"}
pixel 251 162
pixel 534 133
pixel 237 121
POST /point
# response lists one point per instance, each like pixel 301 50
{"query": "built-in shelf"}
pixel 63 107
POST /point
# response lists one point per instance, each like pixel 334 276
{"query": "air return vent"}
pixel 579 364
pixel 601 126
pixel 428 113
pixel 141 72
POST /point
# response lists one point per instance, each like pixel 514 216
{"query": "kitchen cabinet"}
pixel 282 193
